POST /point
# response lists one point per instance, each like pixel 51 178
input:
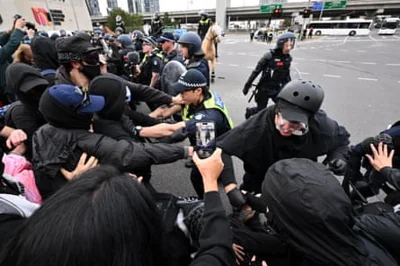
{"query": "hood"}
pixel 309 207
pixel 62 116
pixel 63 77
pixel 44 53
pixel 26 82
pixel 114 93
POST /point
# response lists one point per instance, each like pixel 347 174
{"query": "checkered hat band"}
pixel 192 85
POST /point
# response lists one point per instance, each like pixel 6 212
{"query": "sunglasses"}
pixel 91 58
pixel 85 101
pixel 297 128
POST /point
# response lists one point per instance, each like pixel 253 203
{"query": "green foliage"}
pixel 287 22
pixel 132 21
pixel 167 20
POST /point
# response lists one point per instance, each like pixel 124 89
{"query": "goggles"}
pixel 297 128
pixel 91 58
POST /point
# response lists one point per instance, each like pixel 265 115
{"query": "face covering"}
pixel 90 71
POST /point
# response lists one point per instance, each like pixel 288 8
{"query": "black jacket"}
pixel 308 207
pixel 173 55
pixel 258 144
pixel 138 92
pixel 215 238
pixel 56 148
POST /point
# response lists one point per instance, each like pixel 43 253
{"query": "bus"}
pixel 349 27
pixel 389 26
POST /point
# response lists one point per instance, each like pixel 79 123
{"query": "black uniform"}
pixel 202 66
pixel 258 144
pixel 156 26
pixel 150 64
pixel 275 68
pixel 204 25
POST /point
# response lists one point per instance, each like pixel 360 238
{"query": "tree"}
pixel 166 19
pixel 132 21
pixel 287 22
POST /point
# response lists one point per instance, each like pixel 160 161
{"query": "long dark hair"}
pixel 104 218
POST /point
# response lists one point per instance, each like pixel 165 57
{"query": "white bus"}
pixel 349 27
pixel 389 26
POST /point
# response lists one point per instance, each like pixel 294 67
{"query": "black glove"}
pixel 337 166
pixel 246 89
pixel 256 203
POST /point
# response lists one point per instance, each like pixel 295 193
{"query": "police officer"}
pixel 168 47
pixel 137 37
pixel 193 54
pixel 125 44
pixel 295 127
pixel 156 25
pixel 204 24
pixel 275 68
pixel 201 105
pixel 152 63
pixel 120 23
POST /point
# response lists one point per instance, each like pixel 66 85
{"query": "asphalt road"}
pixel 360 76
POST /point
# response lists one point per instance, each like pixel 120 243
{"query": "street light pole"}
pixel 322 10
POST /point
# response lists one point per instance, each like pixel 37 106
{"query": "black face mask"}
pixel 90 71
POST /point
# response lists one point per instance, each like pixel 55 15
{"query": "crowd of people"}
pixel 77 153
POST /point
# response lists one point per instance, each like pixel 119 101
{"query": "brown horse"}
pixel 213 36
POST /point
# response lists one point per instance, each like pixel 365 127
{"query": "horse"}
pixel 208 46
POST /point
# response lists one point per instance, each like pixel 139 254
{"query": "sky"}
pixel 177 5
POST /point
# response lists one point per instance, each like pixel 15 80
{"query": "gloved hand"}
pixel 246 89
pixel 337 166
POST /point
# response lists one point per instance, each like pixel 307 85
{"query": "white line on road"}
pixel 332 76
pixel 254 55
pixel 368 63
pixel 397 37
pixel 393 64
pixel 219 63
pixel 320 60
pixel 328 49
pixel 242 53
pixel 372 38
pixel 298 71
pixel 368 79
pixel 305 73
pixel 233 65
pixel 345 62
pixel 383 37
pixel 249 67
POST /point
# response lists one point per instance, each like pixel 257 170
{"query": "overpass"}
pixel 353 8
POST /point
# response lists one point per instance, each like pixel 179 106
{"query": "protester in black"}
pixel 28 85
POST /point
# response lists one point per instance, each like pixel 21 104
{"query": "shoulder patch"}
pixel 198 116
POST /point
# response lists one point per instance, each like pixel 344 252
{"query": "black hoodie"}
pixel 310 209
pixel 45 56
pixel 25 114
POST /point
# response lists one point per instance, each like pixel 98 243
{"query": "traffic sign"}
pixel 269 8
pixel 335 5
pixel 318 6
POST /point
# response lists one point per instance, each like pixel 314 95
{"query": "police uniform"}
pixel 204 25
pixel 150 64
pixel 275 68
pixel 156 25
pixel 202 66
pixel 211 108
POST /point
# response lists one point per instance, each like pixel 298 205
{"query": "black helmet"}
pixel 156 15
pixel 303 94
pixel 192 40
pixel 284 38
pixel 137 35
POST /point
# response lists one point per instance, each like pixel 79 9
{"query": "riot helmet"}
pixel 124 40
pixel 203 13
pixel 137 35
pixel 283 38
pixel 193 41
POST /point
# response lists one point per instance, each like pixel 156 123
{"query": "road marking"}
pixel 298 71
pixel 368 63
pixel 393 64
pixel 233 65
pixel 305 73
pixel 375 40
pixel 254 55
pixel 397 37
pixel 249 67
pixel 332 76
pixel 328 49
pixel 345 62
pixel 242 53
pixel 320 60
pixel 383 37
pixel 219 63
pixel 368 79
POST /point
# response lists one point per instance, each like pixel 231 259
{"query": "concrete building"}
pixel 130 6
pixel 48 15
pixel 93 6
